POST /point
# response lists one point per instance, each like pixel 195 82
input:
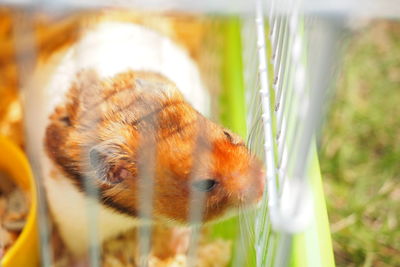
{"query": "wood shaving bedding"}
pixel 13 212
pixel 122 252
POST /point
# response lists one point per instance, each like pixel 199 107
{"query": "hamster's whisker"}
pixel 254 130
pixel 245 226
pixel 250 224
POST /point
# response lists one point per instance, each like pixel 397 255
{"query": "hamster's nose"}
pixel 260 184
pixel 253 192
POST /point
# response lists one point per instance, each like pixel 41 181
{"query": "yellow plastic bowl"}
pixel 24 252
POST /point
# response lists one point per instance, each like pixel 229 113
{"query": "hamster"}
pixel 124 104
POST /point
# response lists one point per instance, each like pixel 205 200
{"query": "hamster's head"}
pixel 206 169
pixel 145 146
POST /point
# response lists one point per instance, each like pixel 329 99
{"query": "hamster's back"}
pixel 108 49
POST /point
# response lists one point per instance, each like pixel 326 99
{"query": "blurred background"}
pixel 360 149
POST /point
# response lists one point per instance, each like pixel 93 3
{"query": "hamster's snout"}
pixel 251 189
pixel 260 180
pixel 254 193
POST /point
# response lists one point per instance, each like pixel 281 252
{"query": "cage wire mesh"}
pixel 289 52
pixel 291 109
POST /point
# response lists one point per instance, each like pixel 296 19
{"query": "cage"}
pixel 260 68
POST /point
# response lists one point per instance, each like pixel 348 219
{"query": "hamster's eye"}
pixel 205 185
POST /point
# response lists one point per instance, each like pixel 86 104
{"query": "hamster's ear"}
pixel 234 139
pixel 107 165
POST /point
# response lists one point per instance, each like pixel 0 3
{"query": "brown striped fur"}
pixel 40 35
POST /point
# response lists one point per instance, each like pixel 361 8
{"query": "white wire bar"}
pixel 277 210
pixel 364 8
pixel 26 52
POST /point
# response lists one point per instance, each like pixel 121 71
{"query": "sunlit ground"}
pixel 360 155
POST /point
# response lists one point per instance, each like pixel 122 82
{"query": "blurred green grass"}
pixel 360 150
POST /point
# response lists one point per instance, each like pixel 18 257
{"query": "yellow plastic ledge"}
pixel 24 251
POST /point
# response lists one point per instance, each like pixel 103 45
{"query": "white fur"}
pixel 109 49
pixel 78 217
pixel 113 48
